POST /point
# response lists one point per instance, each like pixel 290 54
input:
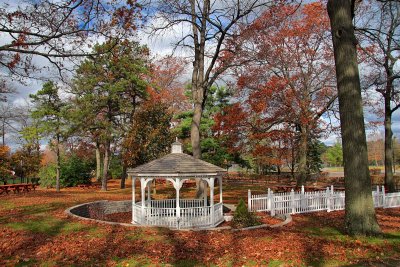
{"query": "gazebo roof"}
pixel 177 164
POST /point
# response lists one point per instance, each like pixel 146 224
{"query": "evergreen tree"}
pixel 50 111
pixel 108 88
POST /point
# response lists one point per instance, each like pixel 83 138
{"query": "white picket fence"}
pixel 303 202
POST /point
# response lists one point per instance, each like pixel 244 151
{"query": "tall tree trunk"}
pixel 195 130
pixel 98 162
pixel 106 162
pixel 198 83
pixel 58 167
pixel 302 168
pixel 124 175
pixel 389 182
pixel 360 215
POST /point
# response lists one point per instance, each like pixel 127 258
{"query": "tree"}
pixel 379 29
pixel 212 148
pixel 334 155
pixel 209 23
pixel 150 136
pixel 287 82
pixel 108 89
pixel 26 162
pixel 55 30
pixel 5 168
pixel 49 109
pixel 360 215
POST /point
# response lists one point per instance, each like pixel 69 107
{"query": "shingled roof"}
pixel 176 164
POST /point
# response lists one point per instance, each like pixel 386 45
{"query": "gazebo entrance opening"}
pixel 177 213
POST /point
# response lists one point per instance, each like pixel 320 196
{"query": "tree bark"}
pixel 124 175
pixel 302 168
pixel 389 182
pixel 58 167
pixel 105 166
pixel 98 162
pixel 195 130
pixel 360 215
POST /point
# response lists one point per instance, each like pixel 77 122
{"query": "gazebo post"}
pixel 220 188
pixel 133 198
pixel 177 185
pixel 148 193
pixel 212 199
pixel 205 192
pixel 143 192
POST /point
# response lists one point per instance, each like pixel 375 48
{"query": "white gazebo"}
pixel 177 213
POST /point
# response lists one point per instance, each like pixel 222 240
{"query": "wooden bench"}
pixel 17 188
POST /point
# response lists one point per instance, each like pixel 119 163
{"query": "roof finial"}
pixel 176 147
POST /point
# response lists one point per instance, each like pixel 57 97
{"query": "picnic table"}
pixel 92 185
pixel 17 188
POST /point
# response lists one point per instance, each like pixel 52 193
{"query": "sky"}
pixel 160 45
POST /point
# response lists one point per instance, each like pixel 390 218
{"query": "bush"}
pixel 244 218
pixel 115 170
pixel 74 171
pixel 47 175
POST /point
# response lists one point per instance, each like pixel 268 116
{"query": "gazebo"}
pixel 177 213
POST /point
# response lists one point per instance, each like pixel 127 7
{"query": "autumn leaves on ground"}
pixel 34 231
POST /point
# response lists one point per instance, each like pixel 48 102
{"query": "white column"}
pixel 249 200
pixel 148 193
pixel 133 198
pixel 143 192
pixel 220 188
pixel 205 192
pixel 212 199
pixel 177 186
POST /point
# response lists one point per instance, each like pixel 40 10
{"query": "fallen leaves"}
pixel 310 239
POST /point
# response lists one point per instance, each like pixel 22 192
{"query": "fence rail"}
pixel 303 202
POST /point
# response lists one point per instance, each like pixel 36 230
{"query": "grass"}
pixel 47 225
pixel 328 233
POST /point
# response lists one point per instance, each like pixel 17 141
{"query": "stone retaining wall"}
pixel 97 210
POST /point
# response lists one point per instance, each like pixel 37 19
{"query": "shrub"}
pixel 74 171
pixel 244 218
pixel 47 175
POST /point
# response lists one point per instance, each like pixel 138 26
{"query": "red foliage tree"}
pixel 288 83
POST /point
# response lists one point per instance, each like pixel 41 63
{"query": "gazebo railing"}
pixel 171 203
pixel 192 215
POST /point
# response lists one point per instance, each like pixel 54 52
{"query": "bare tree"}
pixel 379 30
pixel 55 30
pixel 209 24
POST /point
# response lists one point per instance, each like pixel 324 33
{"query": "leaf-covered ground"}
pixel 34 231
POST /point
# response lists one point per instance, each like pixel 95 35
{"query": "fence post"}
pixel 292 201
pixel 383 197
pixel 272 204
pixel 377 197
pixel 328 200
pixel 302 199
pixel 269 199
pixel 249 200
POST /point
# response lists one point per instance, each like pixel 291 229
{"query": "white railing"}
pixel 171 203
pixel 192 213
pixel 303 202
